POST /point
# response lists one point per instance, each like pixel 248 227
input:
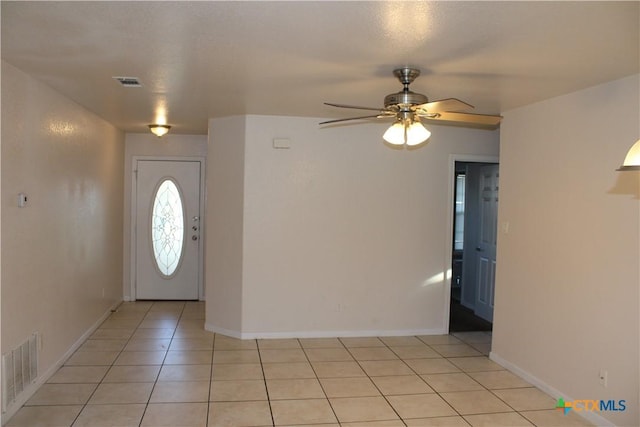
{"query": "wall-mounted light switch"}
pixel 603 378
pixel 22 200
pixel 505 227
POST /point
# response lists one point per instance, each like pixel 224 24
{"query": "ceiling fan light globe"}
pixel 395 134
pixel 417 134
pixel 632 160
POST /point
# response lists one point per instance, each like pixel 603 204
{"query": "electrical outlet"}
pixel 603 378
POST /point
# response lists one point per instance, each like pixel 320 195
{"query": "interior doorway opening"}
pixel 473 246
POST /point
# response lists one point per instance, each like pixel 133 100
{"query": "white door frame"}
pixel 448 248
pixel 134 194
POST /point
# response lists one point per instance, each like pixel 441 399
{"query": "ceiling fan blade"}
pixel 374 116
pixel 439 106
pixel 354 106
pixel 483 121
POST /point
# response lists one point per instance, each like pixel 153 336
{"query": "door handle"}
pixel 478 249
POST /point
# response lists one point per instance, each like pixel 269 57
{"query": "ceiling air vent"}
pixel 129 81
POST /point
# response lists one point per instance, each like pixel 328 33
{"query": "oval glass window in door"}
pixel 167 227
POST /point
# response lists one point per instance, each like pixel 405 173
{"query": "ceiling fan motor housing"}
pixel 404 99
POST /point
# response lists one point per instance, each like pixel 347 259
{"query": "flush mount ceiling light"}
pixel 159 130
pixel 632 160
pixel 410 108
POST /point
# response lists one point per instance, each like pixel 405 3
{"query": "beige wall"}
pixel 341 234
pixel 62 254
pixel 147 144
pixel 224 225
pixel 568 270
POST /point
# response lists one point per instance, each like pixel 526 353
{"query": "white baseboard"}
pixel 592 417
pixel 127 298
pixel 322 334
pixel 222 331
pixel 28 392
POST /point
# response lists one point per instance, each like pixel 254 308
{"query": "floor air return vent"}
pixel 19 370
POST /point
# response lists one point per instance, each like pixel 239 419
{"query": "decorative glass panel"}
pixel 167 227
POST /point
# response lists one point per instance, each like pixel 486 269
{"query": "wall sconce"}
pixel 632 160
pixel 159 130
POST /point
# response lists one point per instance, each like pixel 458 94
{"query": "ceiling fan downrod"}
pixel 406 76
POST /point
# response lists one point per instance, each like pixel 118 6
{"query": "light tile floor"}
pixel 153 364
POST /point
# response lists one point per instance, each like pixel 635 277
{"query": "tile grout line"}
pixel 359 363
pixel 423 380
pixel 213 348
pixel 266 388
pixel 464 416
pixel 320 382
pixel 84 406
pixel 373 382
pixel 146 407
pixel 461 371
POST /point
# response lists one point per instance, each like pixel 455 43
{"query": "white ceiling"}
pixel 198 60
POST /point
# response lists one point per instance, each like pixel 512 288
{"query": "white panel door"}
pixel 487 236
pixel 167 228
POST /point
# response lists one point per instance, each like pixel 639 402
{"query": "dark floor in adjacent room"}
pixel 462 319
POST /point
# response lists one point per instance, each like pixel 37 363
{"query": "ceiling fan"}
pixel 410 108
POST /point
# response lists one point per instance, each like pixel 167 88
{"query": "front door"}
pixel 167 228
pixel 486 246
